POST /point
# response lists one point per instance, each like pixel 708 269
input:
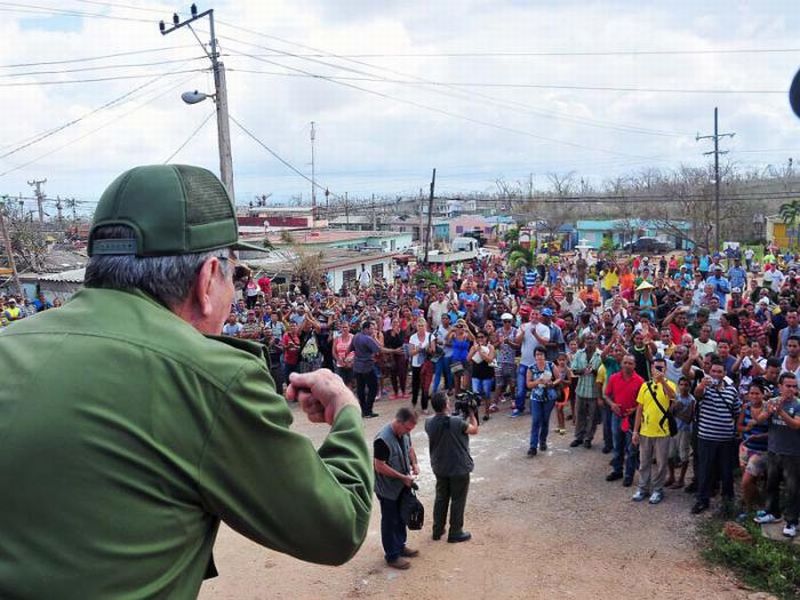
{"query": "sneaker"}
pixel 575 443
pixel 531 451
pixel 587 444
pixel 613 476
pixel 763 517
pixel 543 447
pixel 627 482
pixel 639 496
pixel 515 413
pixel 790 530
pixel 561 431
pixel 656 497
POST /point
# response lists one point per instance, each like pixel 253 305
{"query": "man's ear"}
pixel 206 279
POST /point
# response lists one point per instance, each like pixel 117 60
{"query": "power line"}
pixel 104 125
pixel 46 10
pixel 459 84
pixel 91 58
pixel 104 67
pixel 425 83
pixel 191 136
pixel 452 114
pixel 30 141
pixel 96 79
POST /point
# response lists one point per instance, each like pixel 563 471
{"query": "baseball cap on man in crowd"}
pixel 171 209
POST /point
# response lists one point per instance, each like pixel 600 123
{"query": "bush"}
pixel 764 564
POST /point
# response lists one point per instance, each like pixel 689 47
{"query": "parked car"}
pixel 648 245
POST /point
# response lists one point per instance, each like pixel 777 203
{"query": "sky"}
pixel 481 90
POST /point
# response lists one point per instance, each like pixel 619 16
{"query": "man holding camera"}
pixel 452 464
pixel 718 406
pixel 395 465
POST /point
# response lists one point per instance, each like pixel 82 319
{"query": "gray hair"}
pixel 168 279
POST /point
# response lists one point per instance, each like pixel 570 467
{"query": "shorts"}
pixel 680 446
pixel 506 374
pixel 752 462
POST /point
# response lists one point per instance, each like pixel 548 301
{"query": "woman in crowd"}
pixel 542 379
pixel 461 340
pixel 394 339
pixel 342 354
pixel 421 346
pixel 481 357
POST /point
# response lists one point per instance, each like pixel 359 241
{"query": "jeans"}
pixel 540 421
pixel 605 419
pixel 443 369
pixel 522 388
pixel 366 388
pixel 483 387
pixel 393 530
pixel 452 492
pixel 713 455
pixel 782 466
pixel 399 373
pixel 624 459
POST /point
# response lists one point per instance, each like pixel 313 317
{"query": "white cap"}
pixel 507 317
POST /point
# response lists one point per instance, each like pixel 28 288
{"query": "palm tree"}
pixel 521 257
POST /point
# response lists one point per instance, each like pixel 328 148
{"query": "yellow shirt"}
pixel 610 280
pixel 651 414
pixel 601 380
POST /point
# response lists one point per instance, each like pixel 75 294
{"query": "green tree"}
pixel 521 257
pixel 790 212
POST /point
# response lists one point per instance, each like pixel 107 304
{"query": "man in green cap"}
pixel 129 429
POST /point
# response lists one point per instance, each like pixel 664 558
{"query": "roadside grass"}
pixel 764 564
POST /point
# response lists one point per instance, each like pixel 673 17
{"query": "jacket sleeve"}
pixel 271 485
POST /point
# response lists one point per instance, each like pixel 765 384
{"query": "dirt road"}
pixel 547 527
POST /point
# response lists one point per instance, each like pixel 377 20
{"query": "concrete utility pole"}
pixel 374 215
pixel 716 152
pixel 7 243
pixel 346 211
pixel 40 196
pixel 313 174
pixel 220 93
pixel 430 217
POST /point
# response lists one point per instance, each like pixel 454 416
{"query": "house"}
pixel 284 217
pixel 622 231
pixel 785 235
pixel 322 239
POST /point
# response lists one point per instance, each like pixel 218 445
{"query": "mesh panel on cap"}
pixel 207 200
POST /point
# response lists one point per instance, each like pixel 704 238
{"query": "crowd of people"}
pixel 673 365
pixel 679 366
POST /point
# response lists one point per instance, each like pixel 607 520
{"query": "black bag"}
pixel 412 510
pixel 672 425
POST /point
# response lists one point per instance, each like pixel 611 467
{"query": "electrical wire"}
pixel 91 58
pixel 455 115
pixel 116 119
pixel 191 136
pixel 95 79
pixel 104 67
pixel 30 141
pixel 47 10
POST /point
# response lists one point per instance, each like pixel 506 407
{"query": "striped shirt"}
pixel 717 413
pixel 586 387
pixel 530 278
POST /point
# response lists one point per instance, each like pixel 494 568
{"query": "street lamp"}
pixel 220 94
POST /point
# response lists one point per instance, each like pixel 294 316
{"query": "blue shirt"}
pixel 721 288
pixel 737 277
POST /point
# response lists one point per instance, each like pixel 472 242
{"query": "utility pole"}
pixel 430 217
pixel 220 93
pixel 716 152
pixel 374 215
pixel 59 208
pixel 313 175
pixel 40 196
pixel 7 243
pixel 346 211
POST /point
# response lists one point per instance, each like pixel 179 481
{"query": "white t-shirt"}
pixel 419 357
pixel 530 343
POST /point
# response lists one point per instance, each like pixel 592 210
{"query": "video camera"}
pixel 467 403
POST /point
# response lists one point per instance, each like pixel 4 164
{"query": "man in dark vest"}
pixel 452 464
pixel 395 467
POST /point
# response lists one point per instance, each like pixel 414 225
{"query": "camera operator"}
pixel 452 464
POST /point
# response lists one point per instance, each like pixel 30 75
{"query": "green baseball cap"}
pixel 171 209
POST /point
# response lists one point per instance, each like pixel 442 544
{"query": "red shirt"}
pixel 676 333
pixel 291 356
pixel 624 391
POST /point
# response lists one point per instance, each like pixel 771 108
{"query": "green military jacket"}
pixel 126 436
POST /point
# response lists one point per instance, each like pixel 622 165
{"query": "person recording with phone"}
pixel 651 432
pixel 718 407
